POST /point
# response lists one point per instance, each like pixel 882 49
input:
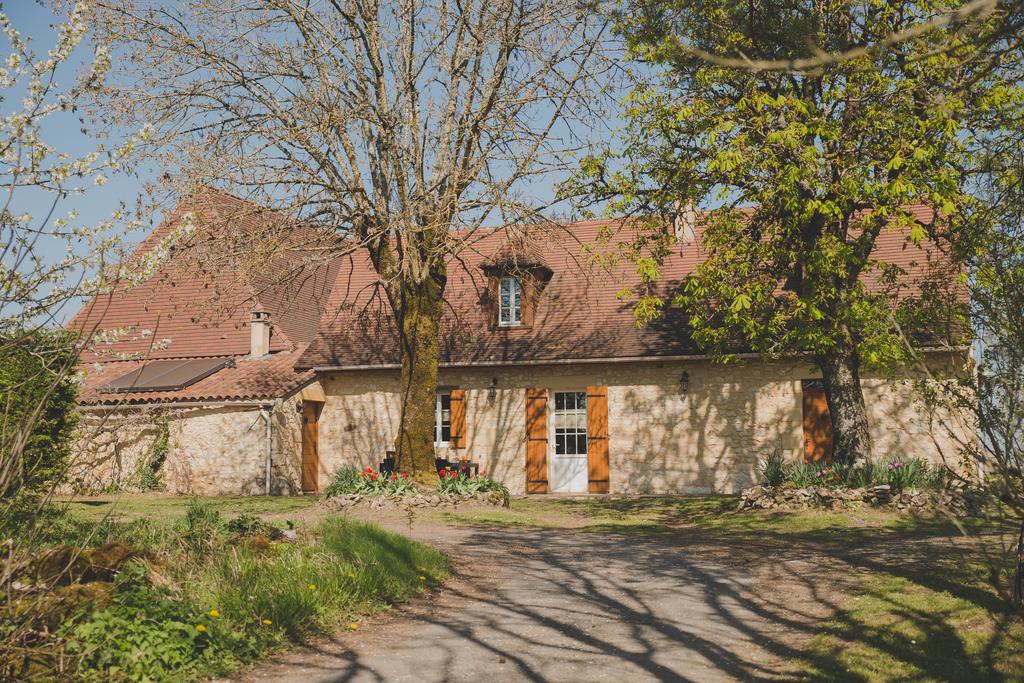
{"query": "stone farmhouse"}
pixel 546 381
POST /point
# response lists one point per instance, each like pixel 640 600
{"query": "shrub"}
pixel 773 470
pixel 453 482
pixel 39 396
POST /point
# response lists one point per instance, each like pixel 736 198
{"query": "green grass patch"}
pixel 914 628
pixel 716 516
pixel 127 507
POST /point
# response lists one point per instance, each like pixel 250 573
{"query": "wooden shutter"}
pixel 528 303
pixel 458 418
pixel 536 441
pixel 597 440
pixel 817 423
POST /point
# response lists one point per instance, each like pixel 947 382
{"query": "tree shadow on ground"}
pixel 687 605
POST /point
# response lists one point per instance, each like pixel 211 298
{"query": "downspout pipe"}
pixel 267 412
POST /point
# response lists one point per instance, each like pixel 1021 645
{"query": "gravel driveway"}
pixel 562 605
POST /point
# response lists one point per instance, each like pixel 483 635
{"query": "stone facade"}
pixel 216 449
pixel 662 439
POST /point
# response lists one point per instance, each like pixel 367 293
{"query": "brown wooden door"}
pixel 536 441
pixel 597 440
pixel 310 446
pixel 817 423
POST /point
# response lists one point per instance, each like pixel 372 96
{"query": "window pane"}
pixel 581 444
pixel 560 444
pixel 559 401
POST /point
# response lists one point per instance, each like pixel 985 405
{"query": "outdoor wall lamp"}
pixel 684 381
pixel 492 390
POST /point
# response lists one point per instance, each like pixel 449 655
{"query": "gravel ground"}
pixel 565 605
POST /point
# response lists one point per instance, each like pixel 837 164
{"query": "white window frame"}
pixel 579 414
pixel 439 420
pixel 510 315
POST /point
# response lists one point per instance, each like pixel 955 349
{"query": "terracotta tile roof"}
pixel 579 315
pixel 251 379
pixel 197 304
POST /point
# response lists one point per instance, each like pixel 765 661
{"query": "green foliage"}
pixel 369 482
pixel 773 469
pixel 148 473
pixel 898 472
pixel 148 634
pixel 803 474
pixel 299 593
pixel 248 524
pixel 829 158
pixel 38 414
pixel 452 482
pixel 182 615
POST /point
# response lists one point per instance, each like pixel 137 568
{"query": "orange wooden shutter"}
pixel 458 418
pixel 494 296
pixel 528 301
pixel 536 441
pixel 597 440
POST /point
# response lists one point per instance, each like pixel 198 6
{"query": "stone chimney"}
pixel 684 223
pixel 259 333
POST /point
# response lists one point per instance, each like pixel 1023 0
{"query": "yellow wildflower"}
pixel 201 628
pixel 312 586
pixel 214 613
pixel 268 622
pixel 353 626
pixel 351 575
pixel 423 578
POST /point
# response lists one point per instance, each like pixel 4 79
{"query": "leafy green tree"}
pixel 829 151
pixel 38 412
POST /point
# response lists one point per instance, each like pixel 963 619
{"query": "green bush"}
pixel 803 474
pixel 38 393
pixel 248 524
pixel 452 482
pixel 773 470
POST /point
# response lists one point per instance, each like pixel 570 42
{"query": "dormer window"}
pixel 510 302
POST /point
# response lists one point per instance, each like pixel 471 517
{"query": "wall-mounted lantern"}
pixel 684 381
pixel 492 390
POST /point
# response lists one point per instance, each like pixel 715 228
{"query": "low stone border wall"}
pixel 419 500
pixel 958 501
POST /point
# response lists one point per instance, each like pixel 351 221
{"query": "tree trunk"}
pixel 420 338
pixel 840 372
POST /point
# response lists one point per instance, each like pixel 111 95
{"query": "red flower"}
pixel 440 473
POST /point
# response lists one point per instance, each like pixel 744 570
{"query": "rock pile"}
pixel 419 500
pixel 958 501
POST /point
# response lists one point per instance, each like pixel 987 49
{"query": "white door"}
pixel 568 456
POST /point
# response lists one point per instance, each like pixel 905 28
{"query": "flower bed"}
pixel 352 486
pixel 954 500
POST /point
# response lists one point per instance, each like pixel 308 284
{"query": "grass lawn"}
pixel 713 515
pixel 156 506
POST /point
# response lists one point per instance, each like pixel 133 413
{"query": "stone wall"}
pixel 212 450
pixel 662 439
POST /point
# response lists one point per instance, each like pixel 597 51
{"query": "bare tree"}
pixel 406 126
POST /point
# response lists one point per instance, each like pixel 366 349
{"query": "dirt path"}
pixel 566 605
